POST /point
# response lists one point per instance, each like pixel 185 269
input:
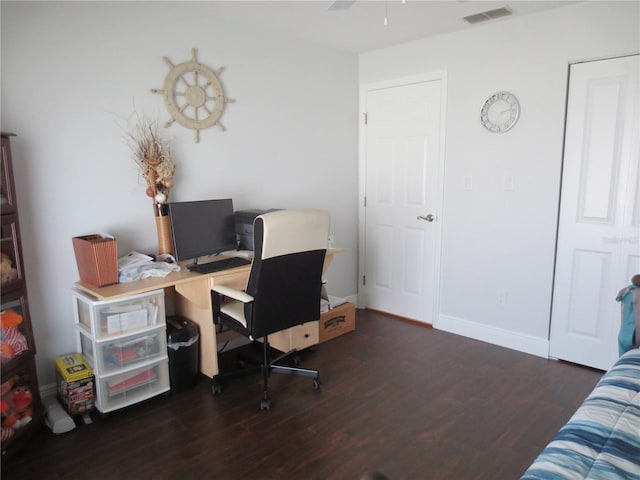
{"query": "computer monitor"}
pixel 202 228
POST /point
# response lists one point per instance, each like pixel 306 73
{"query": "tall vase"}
pixel 163 228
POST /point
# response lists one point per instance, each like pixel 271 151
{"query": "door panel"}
pixel 598 231
pixel 402 166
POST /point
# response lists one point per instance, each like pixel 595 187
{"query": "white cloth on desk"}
pixel 163 265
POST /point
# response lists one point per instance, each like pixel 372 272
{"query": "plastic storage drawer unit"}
pixel 132 386
pixel 183 346
pixel 120 353
pixel 124 341
pixel 107 318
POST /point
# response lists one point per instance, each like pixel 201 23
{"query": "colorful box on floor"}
pixel 337 321
pixel 76 383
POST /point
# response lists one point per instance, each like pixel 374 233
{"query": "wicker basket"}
pixel 97 259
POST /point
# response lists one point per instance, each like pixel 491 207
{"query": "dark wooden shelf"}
pixel 22 411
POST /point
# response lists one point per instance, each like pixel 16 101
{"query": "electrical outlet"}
pixel 508 183
pixel 503 297
pixel 468 182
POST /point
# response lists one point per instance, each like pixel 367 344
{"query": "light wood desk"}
pixel 191 293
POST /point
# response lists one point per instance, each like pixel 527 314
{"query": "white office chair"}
pixel 283 289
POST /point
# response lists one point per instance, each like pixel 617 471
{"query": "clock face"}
pixel 500 112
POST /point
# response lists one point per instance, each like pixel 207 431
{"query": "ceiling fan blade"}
pixel 341 4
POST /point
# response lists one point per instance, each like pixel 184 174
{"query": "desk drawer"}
pixel 298 337
pixel 304 336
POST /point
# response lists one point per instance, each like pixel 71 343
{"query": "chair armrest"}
pixel 232 293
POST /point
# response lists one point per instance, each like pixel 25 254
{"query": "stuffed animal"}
pixel 21 399
pixel 9 416
pixel 16 407
pixel 9 420
pixel 12 341
pixel 7 272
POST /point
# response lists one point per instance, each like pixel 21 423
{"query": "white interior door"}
pixel 600 211
pixel 403 155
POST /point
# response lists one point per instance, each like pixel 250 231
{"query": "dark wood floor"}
pixel 403 399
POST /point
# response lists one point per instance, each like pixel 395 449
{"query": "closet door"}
pixel 598 231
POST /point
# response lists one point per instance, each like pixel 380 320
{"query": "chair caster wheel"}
pixel 216 388
pixel 265 404
pixel 316 384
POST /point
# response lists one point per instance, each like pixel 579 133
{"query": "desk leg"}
pixel 193 301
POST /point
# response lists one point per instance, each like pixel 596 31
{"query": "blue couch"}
pixel 601 441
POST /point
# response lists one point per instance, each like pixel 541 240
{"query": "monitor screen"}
pixel 202 228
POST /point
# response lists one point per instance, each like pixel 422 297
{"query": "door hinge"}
pixel 364 280
pixel 366 117
pixel 365 201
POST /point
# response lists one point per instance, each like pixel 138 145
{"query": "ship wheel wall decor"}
pixel 193 95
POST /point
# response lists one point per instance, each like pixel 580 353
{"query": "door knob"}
pixel 428 218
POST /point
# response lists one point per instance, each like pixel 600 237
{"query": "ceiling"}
pixel 360 27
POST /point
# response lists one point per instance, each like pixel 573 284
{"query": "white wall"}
pixel 495 241
pixel 73 72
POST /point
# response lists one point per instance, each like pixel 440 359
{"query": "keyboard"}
pixel 218 265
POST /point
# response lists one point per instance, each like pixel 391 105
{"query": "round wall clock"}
pixel 193 95
pixel 500 112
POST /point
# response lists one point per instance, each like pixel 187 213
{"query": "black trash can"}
pixel 183 345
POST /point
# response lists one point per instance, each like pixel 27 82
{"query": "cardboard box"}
pixel 75 382
pixel 97 259
pixel 337 321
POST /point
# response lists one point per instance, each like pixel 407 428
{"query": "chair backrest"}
pixel 286 274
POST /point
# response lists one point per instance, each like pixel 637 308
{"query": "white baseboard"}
pixel 496 336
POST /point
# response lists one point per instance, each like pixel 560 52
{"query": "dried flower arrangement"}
pixel 153 156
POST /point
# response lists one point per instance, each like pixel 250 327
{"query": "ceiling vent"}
pixel 488 15
pixel 341 4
